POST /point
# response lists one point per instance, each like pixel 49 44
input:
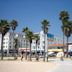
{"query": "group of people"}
pixel 22 55
pixel 60 54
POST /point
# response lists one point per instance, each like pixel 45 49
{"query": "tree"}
pixel 36 37
pixel 64 17
pixel 25 30
pixel 45 27
pixel 14 24
pixel 4 28
pixel 70 25
pixel 30 37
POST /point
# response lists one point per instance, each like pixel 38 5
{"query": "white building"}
pixel 42 41
pixel 8 41
pixel 23 44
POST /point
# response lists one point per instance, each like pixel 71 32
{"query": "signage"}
pixel 70 47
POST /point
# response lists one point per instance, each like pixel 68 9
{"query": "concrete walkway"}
pixel 63 66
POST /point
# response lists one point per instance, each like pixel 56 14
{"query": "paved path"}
pixel 63 66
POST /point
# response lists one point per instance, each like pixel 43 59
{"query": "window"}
pixel 34 47
pixel 42 35
pixel 3 42
pixel 4 39
pixel 6 46
pixel 38 47
pixel 24 40
pixel 43 47
pixel 34 42
pixel 43 42
pixel 3 46
pixel 10 42
pixel 10 47
pixel 6 42
pixel 38 43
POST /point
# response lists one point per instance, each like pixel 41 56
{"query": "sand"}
pixel 26 66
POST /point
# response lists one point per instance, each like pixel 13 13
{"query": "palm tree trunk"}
pixel 13 46
pixel 44 49
pixel 2 48
pixel 37 56
pixel 30 52
pixel 26 50
pixel 36 51
pixel 63 44
pixel 67 47
pixel 47 51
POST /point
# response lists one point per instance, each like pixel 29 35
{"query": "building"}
pixel 9 40
pixel 23 43
pixel 6 42
pixel 70 47
pixel 40 45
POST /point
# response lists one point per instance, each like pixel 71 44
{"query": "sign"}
pixel 70 47
pixel 50 37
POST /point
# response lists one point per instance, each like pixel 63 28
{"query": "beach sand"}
pixel 25 66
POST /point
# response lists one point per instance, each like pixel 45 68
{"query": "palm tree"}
pixel 30 37
pixel 67 32
pixel 14 24
pixel 64 17
pixel 70 25
pixel 36 37
pixel 4 28
pixel 25 30
pixel 45 27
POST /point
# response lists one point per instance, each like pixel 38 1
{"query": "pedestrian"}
pixel 61 58
pixel 37 57
pixel 22 55
pixel 70 55
pixel 60 55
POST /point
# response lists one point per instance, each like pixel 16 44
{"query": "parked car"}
pixel 52 54
pixel 70 53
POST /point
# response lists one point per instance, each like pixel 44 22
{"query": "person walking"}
pixel 22 55
pixel 61 57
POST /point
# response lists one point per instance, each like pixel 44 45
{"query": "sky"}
pixel 30 13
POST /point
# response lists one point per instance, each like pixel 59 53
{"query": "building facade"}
pixel 23 43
